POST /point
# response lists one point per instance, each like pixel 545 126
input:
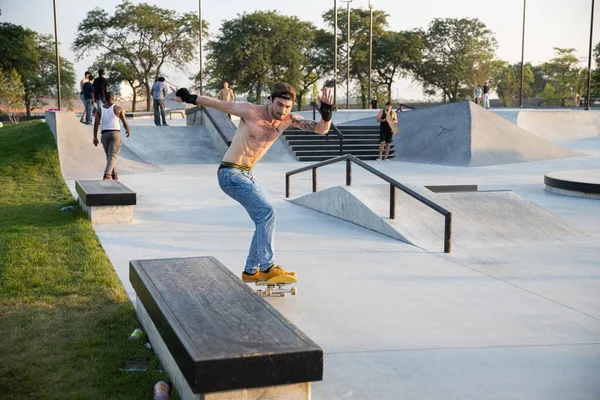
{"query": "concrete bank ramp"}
pixel 464 134
pixel 558 126
pixel 79 158
pixel 480 219
pixel 173 145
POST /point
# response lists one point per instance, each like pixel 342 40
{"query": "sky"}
pixel 549 23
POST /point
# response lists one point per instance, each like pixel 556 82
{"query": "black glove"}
pixel 326 111
pixel 186 96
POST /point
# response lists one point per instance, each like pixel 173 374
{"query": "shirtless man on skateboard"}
pixel 259 127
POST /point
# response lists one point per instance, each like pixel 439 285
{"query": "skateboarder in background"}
pixel 108 116
pixel 259 128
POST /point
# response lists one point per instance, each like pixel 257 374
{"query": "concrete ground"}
pixel 395 321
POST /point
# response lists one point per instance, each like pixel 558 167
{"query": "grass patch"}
pixel 64 315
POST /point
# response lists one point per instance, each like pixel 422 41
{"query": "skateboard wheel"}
pixel 260 293
pixel 293 291
pixel 269 291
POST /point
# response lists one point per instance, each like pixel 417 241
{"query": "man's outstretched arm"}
pixel 326 111
pixel 242 110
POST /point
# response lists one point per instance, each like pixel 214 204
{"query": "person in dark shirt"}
pixel 87 90
pixel 374 103
pixel 100 89
pixel 486 96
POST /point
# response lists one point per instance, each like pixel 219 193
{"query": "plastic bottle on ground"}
pixel 161 391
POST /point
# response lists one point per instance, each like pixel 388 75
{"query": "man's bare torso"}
pixel 225 94
pixel 254 136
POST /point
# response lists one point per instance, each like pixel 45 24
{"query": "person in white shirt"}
pixel 108 116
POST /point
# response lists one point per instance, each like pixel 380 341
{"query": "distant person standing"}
pixel 159 94
pixel 226 94
pixel 108 116
pixel 87 92
pixel 387 119
pixel 486 96
pixel 478 95
pixel 374 103
pixel 84 80
pixel 100 89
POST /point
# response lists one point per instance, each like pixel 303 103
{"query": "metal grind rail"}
pixel 394 184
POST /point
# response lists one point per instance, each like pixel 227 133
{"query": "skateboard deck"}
pixel 275 287
pixel 390 121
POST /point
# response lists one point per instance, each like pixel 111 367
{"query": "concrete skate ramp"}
pixel 479 219
pixel 464 134
pixel 79 158
pixel 560 126
pixel 173 145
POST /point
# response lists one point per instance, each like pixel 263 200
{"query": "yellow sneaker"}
pixel 246 277
pixel 274 270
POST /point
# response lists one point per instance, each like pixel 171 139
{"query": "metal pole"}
pixel 392 201
pixel 370 49
pixel 348 172
pixel 348 63
pixel 523 56
pixel 57 55
pixel 314 180
pixel 335 53
pixel 200 45
pixel 589 77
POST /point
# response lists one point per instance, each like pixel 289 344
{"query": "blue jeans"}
pixel 159 111
pixel 88 110
pixel 99 102
pixel 243 188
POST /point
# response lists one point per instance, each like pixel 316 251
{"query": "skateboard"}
pixel 390 121
pixel 275 287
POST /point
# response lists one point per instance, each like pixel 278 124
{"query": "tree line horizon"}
pixel 252 51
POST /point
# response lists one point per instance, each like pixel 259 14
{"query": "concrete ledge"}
pixel 215 336
pixel 106 201
pixel 585 183
pixel 297 391
pixel 108 214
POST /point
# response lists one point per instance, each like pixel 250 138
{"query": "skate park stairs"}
pixel 218 339
pixel 361 141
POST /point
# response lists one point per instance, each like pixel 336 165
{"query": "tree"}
pixel 563 75
pixel 33 57
pixel 11 94
pixel 396 54
pixel 455 48
pixel 18 49
pixel 42 83
pixel 359 44
pixel 508 83
pixel 142 37
pixel 254 51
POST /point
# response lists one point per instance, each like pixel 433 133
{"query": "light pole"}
pixel 348 57
pixel 200 45
pixel 57 55
pixel 589 77
pixel 523 55
pixel 370 48
pixel 335 54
